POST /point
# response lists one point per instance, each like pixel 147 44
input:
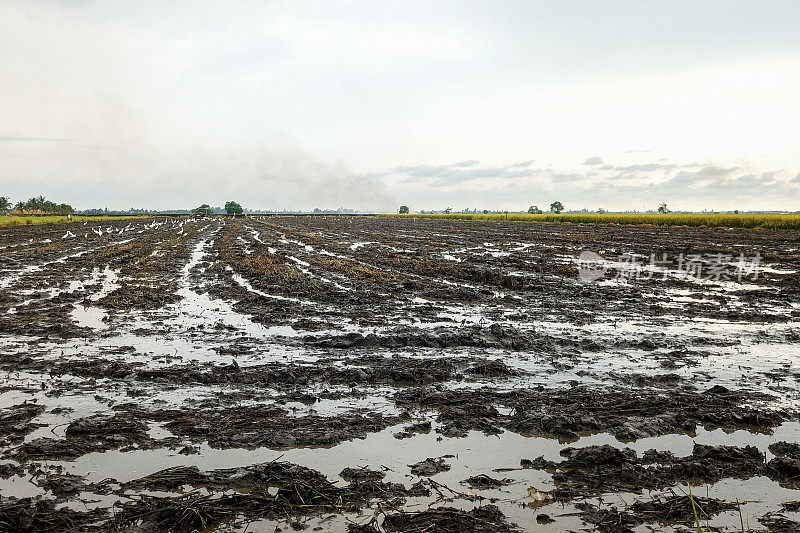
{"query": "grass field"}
pixel 54 219
pixel 776 222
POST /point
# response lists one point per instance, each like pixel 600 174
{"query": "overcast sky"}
pixel 370 105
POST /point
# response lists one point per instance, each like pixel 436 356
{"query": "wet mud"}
pixel 375 374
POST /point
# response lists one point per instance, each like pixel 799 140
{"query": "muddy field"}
pixel 375 374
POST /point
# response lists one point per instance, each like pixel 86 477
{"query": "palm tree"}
pixel 5 204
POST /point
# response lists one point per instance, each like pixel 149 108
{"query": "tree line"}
pixel 555 207
pixel 37 204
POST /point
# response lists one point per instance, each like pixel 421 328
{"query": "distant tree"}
pixel 735 211
pixel 534 210
pixel 448 210
pixel 403 209
pixel 233 208
pixel 663 209
pixel 64 209
pixel 600 210
pixel 485 211
pixel 205 209
pixel 556 207
pixel 5 204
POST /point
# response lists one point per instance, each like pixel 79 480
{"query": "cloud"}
pixel 796 179
pixel 285 176
pixel 705 176
pixel 746 180
pixel 712 171
pixel 770 176
pixel 523 164
pixel 421 171
pixel 593 161
pixel 631 187
pixel 647 167
pixel 660 164
pixel 563 177
pixel 446 175
pixel 268 176
pixel 467 163
pixel 17 138
pixel 625 176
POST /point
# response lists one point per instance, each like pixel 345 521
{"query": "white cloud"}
pixel 687 186
pixel 159 103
